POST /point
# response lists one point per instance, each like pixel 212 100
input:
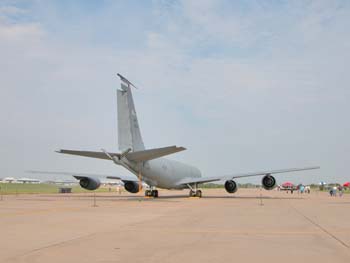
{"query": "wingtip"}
pixel 314 167
pixel 180 148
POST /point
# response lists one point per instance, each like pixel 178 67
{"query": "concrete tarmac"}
pixel 278 227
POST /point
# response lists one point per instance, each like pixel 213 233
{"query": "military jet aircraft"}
pixel 148 166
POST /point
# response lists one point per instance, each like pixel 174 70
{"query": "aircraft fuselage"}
pixel 165 173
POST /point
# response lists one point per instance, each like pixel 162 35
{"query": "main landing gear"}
pixel 197 193
pixel 194 192
pixel 151 193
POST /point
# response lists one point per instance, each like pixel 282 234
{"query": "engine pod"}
pixel 131 187
pixel 231 186
pixel 89 183
pixel 268 182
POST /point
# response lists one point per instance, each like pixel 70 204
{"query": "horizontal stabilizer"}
pixel 146 155
pixel 99 155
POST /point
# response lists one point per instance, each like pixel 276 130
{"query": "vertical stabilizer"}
pixel 129 134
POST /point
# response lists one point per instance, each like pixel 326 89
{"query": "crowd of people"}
pixel 334 191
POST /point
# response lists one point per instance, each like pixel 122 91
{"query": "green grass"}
pixel 213 185
pixel 14 188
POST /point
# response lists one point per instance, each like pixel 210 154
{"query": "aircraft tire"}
pixel 199 193
pixel 154 193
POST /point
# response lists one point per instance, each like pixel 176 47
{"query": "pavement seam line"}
pixel 320 227
pixel 50 246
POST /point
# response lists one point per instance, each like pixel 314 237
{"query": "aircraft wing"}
pixel 234 176
pixel 80 175
pixel 200 180
pixel 241 175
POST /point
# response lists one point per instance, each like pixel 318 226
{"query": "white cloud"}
pixel 19 33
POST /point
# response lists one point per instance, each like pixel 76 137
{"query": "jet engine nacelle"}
pixel 268 182
pixel 89 183
pixel 131 187
pixel 231 186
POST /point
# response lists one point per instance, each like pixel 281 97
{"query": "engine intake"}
pixel 231 186
pixel 89 183
pixel 131 187
pixel 268 182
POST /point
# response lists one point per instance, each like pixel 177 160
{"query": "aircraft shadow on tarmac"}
pixel 254 197
pixel 128 197
pixel 142 198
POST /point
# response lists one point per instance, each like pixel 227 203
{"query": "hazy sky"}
pixel 243 85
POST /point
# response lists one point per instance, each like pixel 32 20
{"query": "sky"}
pixel 243 85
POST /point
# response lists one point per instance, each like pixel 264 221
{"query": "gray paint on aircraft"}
pixel 155 171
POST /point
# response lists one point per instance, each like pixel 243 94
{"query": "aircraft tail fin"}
pixel 129 134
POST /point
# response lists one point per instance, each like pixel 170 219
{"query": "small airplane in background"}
pixel 9 180
pixel 22 180
pixel 148 166
pixel 25 180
